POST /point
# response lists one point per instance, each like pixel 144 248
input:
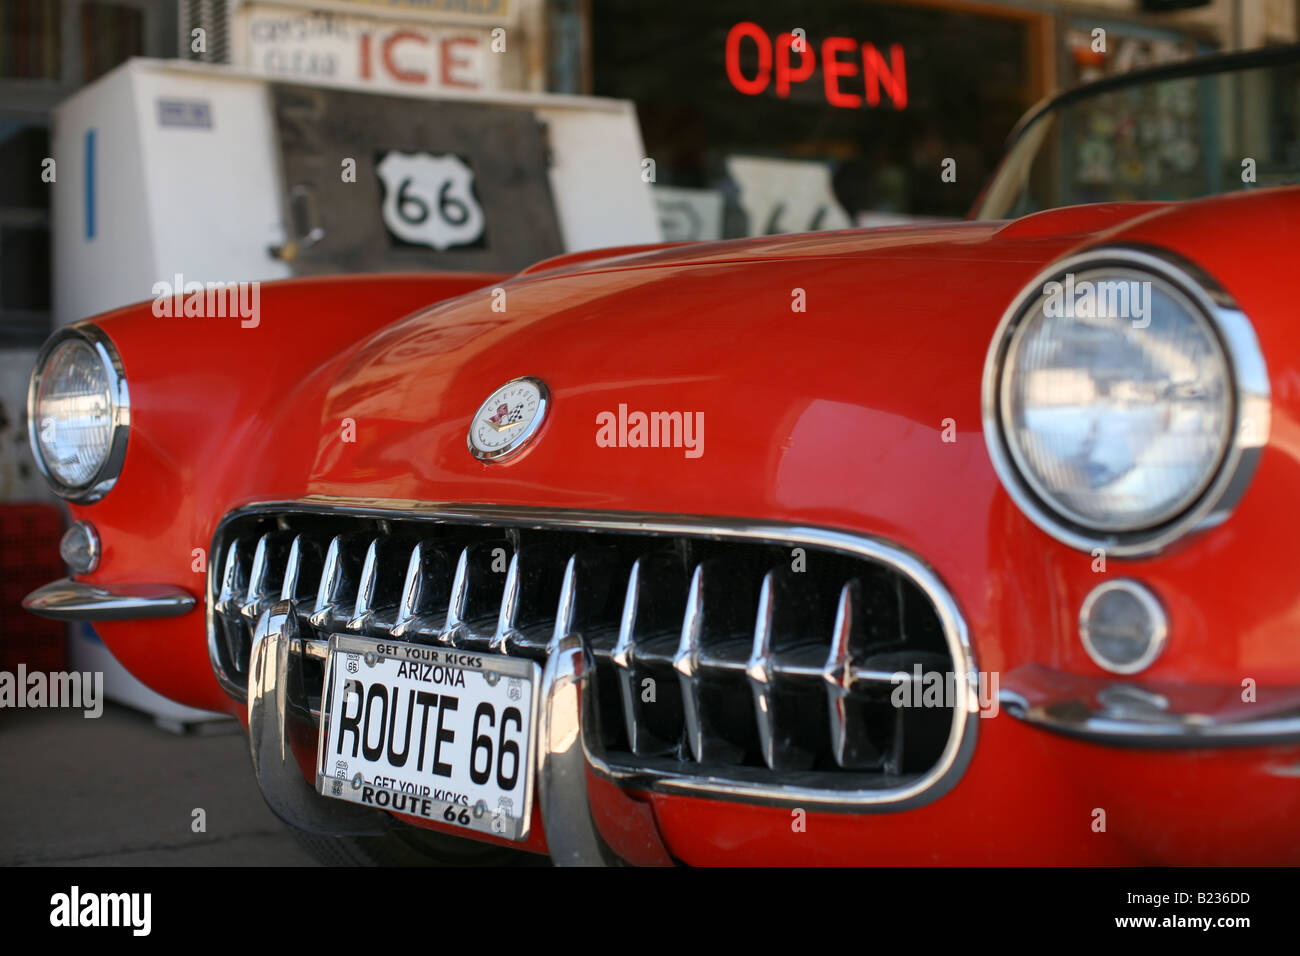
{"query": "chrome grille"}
pixel 726 656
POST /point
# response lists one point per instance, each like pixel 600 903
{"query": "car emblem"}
pixel 509 419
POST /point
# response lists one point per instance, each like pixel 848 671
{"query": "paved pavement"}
pixel 118 791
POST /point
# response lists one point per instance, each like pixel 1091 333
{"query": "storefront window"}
pixel 24 233
pixel 768 116
pixel 30 39
pixel 110 34
pixel 34 75
pixel 23 147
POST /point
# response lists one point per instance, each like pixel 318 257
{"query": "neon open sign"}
pixel 793 59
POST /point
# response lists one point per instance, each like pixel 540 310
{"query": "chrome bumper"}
pixel 575 833
pixel 69 600
pixel 1125 713
pixel 274 722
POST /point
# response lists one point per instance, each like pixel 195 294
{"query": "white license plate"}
pixel 434 732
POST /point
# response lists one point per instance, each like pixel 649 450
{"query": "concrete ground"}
pixel 118 791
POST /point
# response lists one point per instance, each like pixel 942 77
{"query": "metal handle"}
pixel 304 221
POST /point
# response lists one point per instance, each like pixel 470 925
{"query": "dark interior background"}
pixel 967 84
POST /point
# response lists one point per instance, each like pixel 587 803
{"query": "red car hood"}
pixel 786 345
pixel 824 367
pixel 1070 221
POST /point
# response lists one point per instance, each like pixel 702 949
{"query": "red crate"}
pixel 29 557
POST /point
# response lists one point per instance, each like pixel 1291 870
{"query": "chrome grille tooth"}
pixel 364 606
pixel 292 568
pixel 234 580
pixel 337 593
pixel 474 610
pixel 256 579
pixel 686 663
pixel 258 575
pixel 327 590
pixel 851 745
pixel 302 572
pixel 412 589
pixel 266 574
pixel 366 585
pixel 380 586
pixel 509 608
pixel 654 597
pixel 758 669
pixel 838 673
pixel 234 638
pixel 566 606
pixel 622 657
pixel 596 601
pixel 422 607
pixel 457 601
pixel 548 589
pixel 711 660
pixel 784 669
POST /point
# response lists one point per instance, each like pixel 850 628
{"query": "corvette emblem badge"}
pixel 508 420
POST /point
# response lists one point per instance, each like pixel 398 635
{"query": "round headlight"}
pixel 78 413
pixel 1112 402
pixel 1118 422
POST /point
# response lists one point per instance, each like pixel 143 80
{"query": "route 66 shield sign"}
pixel 429 200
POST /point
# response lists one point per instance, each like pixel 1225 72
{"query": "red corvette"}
pixel 960 543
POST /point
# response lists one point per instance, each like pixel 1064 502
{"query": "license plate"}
pixel 434 732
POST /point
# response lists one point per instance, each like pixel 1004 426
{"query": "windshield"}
pixel 1168 139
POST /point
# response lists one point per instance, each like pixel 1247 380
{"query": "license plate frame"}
pixel 352 654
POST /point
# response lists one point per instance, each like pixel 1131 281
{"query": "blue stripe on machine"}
pixel 90 184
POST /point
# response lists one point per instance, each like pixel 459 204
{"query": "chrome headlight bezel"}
pixel 1248 416
pixel 105 476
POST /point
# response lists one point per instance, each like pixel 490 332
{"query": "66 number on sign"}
pixel 429 200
